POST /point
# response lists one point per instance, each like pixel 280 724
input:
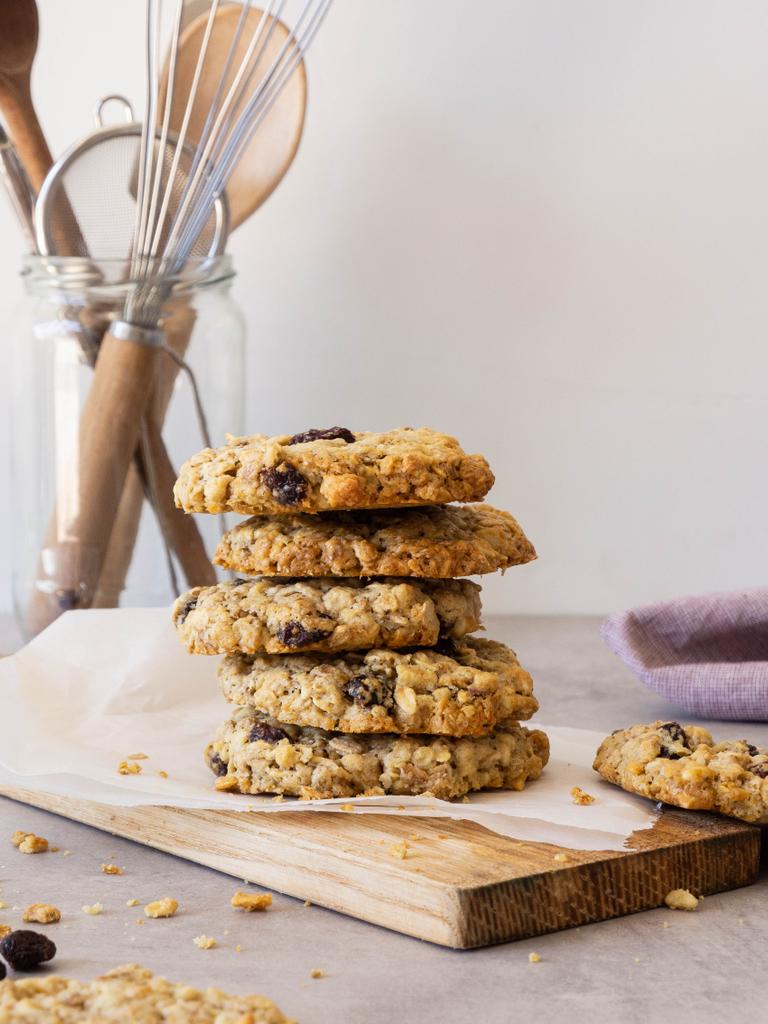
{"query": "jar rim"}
pixel 77 273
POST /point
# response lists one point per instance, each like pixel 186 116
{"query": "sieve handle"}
pixel 75 546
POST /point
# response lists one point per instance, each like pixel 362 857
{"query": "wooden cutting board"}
pixel 459 884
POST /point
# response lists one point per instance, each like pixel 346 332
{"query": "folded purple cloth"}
pixel 708 654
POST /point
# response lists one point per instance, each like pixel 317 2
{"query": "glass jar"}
pixel 147 551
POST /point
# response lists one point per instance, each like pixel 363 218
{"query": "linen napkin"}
pixel 708 654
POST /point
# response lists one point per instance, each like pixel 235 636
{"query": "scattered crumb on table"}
pixel 205 942
pixel 165 907
pixel 93 909
pixel 399 849
pixel 250 901
pixel 41 913
pixel 317 972
pixel 111 869
pixel 28 842
pixel 131 903
pixel 681 899
pixel 580 797
pixel 5 929
pixel 307 903
pixel 137 757
pixel 534 958
pixel 162 774
pixel 129 768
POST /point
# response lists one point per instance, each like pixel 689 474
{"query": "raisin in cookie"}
pixel 253 754
pixel 683 766
pixel 280 617
pixel 470 689
pixel 331 469
pixel 437 542
pixel 127 993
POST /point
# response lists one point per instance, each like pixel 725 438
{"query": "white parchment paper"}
pixel 99 685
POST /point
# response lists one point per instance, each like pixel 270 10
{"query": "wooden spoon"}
pixel 18 46
pixel 271 150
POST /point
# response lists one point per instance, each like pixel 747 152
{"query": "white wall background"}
pixel 541 225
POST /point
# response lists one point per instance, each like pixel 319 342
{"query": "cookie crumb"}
pixel 137 757
pixel 129 768
pixel 111 869
pixel 41 913
pixel 399 849
pixel 3 905
pixel 5 929
pixel 637 959
pixel 534 958
pixel 347 807
pixel 580 797
pixel 442 835
pixel 277 798
pixel 67 853
pixel 681 899
pixel 665 924
pixel 415 837
pixel 162 774
pixel 238 948
pixel 205 942
pixel 307 903
pixel 131 903
pixel 28 842
pixel 165 907
pixel 317 972
pixel 95 908
pixel 250 901
pixel 561 857
pixel 54 849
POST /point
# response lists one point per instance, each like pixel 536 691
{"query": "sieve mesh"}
pixel 88 206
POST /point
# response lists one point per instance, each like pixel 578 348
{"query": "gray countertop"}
pixel 666 964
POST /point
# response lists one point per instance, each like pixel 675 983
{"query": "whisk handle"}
pixel 180 530
pixel 76 543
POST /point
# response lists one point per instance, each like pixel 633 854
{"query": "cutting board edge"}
pixel 743 847
pixel 448 913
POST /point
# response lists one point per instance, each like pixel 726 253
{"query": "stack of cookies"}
pixel 347 654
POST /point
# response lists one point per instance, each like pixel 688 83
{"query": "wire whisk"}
pixel 168 225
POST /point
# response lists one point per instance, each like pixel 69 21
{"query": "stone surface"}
pixel 599 973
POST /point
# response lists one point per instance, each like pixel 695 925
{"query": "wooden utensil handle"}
pixel 180 531
pixel 76 542
pixel 25 131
